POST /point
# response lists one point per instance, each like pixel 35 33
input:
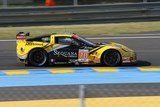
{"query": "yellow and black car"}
pixel 70 49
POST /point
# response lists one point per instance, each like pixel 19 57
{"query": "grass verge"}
pixel 89 29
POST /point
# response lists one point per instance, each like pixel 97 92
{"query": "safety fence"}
pixel 102 95
pixel 105 13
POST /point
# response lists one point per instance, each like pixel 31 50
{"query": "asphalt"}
pixel 148 51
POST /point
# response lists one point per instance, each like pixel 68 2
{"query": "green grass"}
pixel 89 29
pixel 23 5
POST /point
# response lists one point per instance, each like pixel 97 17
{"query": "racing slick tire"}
pixel 111 57
pixel 38 57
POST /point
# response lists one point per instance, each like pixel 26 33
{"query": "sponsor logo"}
pixel 65 54
pixel 31 43
pixel 126 60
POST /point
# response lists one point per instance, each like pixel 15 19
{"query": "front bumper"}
pixel 131 58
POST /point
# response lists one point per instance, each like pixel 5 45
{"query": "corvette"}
pixel 70 49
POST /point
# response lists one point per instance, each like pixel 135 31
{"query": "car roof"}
pixel 62 35
pixel 48 35
pixel 35 38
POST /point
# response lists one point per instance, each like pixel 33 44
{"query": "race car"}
pixel 56 48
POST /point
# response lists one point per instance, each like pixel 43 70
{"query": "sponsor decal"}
pixel 65 54
pixel 22 56
pixel 73 61
pixel 21 37
pixel 52 60
pixel 60 62
pixel 97 60
pixel 31 43
pixel 126 60
pixel 83 55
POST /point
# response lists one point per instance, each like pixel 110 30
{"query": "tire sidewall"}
pixel 104 62
pixel 30 56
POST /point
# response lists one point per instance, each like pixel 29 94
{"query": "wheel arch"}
pixel 36 48
pixel 110 49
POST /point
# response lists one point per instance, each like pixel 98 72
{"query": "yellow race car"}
pixel 70 49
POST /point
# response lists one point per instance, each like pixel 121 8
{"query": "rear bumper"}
pixel 22 60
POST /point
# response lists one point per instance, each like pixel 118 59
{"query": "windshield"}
pixel 85 41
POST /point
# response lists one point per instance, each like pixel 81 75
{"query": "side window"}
pixel 45 39
pixel 66 41
pixel 63 40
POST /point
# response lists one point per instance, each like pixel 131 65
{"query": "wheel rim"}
pixel 38 58
pixel 112 58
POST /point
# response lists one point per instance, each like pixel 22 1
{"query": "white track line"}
pixel 143 34
pixel 127 37
pixel 11 40
pixel 100 38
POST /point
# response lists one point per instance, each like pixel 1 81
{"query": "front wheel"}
pixel 111 58
pixel 38 57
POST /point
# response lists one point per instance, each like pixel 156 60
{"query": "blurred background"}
pixel 64 2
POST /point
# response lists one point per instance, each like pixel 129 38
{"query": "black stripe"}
pixel 96 49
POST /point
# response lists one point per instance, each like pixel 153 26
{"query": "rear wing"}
pixel 22 35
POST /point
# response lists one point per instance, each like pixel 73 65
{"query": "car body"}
pixel 70 49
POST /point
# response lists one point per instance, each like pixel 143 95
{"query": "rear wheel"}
pixel 38 57
pixel 111 58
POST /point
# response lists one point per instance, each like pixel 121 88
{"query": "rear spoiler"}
pixel 22 35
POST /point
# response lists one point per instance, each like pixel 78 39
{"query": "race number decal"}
pixel 83 55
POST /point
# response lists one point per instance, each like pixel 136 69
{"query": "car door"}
pixel 66 50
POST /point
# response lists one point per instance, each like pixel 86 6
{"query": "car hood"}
pixel 114 44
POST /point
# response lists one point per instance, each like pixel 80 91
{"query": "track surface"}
pixel 148 51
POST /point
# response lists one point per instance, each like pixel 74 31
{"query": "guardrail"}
pixel 80 14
